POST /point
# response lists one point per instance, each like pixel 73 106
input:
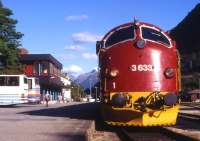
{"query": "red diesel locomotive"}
pixel 139 76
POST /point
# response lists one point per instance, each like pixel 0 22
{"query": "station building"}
pixel 47 69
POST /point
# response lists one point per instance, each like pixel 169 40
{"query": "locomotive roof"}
pixel 129 24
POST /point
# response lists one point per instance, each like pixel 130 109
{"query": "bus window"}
pixel 29 83
pixel 36 81
pixel 25 81
pixel 2 81
pixel 12 81
pixel 154 35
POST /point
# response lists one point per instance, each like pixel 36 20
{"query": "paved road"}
pixel 58 122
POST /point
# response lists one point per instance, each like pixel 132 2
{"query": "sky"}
pixel 69 29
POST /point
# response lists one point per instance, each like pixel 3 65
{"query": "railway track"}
pixel 190 111
pixel 150 134
pixel 190 104
pixel 187 129
pixel 186 123
pixel 190 117
pixel 196 103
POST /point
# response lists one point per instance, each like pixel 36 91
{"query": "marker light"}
pixel 140 43
pixel 169 72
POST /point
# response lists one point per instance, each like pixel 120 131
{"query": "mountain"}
pixel 87 79
pixel 72 78
pixel 186 33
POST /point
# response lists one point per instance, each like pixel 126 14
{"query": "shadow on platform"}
pixel 85 111
pixel 7 106
pixel 18 105
pixel 68 136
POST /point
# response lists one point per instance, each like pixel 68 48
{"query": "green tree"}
pixel 77 91
pixel 9 40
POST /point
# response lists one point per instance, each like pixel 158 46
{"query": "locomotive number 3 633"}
pixel 141 67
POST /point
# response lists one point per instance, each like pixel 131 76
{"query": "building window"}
pixel 25 81
pixel 43 68
pixel 29 83
pixel 35 68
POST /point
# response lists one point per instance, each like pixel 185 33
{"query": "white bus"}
pixel 13 89
pixel 34 95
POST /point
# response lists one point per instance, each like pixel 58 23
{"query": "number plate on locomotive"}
pixel 141 67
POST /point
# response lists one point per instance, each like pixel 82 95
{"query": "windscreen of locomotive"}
pixel 154 35
pixel 120 35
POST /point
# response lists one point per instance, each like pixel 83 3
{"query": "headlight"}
pixel 114 73
pixel 140 43
pixel 169 72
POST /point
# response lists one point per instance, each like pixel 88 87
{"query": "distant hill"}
pixel 186 33
pixel 87 78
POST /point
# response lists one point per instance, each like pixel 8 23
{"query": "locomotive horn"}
pixel 99 45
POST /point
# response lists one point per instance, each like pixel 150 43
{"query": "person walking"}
pixel 47 97
pixel 59 99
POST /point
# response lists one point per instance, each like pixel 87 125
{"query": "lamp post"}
pixel 90 88
pixel 96 93
pixel 72 93
pixel 78 90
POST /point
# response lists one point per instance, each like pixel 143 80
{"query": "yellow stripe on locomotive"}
pixel 140 109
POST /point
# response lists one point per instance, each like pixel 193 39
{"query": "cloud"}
pixel 89 55
pixel 85 37
pixel 73 69
pixel 77 48
pixel 65 57
pixel 76 17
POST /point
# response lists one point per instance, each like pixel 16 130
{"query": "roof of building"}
pixel 40 57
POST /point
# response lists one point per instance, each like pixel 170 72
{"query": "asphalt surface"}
pixel 58 122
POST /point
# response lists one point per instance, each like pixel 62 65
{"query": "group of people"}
pixel 47 98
